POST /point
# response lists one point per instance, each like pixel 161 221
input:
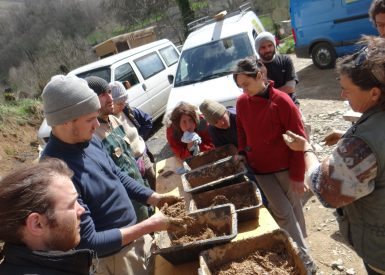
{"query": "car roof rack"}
pixel 203 21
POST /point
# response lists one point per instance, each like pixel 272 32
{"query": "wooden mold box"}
pixel 212 260
pixel 245 196
pixel 221 219
pixel 213 175
pixel 208 157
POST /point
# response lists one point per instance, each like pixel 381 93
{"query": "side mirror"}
pixel 170 78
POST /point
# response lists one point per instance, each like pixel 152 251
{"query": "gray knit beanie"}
pixel 98 84
pixel 262 37
pixel 67 97
pixel 118 91
pixel 212 111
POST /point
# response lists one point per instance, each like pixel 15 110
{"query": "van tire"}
pixel 324 55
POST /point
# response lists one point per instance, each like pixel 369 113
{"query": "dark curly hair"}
pixel 183 108
pixel 377 6
pixel 25 191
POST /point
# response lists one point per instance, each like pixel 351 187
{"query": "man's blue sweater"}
pixel 104 191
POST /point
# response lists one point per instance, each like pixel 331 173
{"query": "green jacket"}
pixel 366 216
pixel 117 145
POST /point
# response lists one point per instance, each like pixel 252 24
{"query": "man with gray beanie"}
pixel 222 122
pixel 280 68
pixel 108 225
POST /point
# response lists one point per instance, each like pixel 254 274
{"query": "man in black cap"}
pixel 115 140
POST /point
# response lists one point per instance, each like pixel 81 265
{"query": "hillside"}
pixel 18 137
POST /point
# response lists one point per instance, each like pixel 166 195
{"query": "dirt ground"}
pixel 320 104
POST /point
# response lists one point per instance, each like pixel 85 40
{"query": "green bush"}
pixel 23 110
pixel 267 22
pixel 287 45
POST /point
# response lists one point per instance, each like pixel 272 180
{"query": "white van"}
pixel 209 55
pixel 146 68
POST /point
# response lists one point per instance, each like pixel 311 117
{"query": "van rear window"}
pixel 149 65
pixel 126 73
pixel 170 55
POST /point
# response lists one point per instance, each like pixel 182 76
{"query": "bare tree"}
pixel 56 55
pixel 25 27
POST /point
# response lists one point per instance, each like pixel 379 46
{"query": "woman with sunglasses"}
pixel 263 115
pixel 352 178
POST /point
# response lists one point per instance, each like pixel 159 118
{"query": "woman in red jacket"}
pixel 188 133
pixel 263 115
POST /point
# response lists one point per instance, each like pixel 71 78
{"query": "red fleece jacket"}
pixel 260 125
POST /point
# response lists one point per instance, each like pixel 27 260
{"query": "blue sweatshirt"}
pixel 104 191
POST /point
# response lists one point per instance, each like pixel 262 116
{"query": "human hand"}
pixel 190 145
pixel 333 137
pixel 298 187
pixel 295 142
pixel 159 200
pixel 239 158
pixel 159 221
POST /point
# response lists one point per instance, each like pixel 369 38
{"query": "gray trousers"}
pixel 285 206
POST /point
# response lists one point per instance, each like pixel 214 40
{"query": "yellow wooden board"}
pixel 169 181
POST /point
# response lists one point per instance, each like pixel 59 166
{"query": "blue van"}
pixel 327 29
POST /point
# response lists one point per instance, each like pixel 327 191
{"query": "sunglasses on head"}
pixel 361 57
pixel 377 73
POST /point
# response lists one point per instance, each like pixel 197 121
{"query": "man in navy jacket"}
pixel 109 225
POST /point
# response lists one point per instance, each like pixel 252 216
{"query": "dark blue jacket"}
pixel 141 120
pixel 222 137
pixel 104 191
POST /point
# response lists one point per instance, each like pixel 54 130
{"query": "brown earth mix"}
pixel 213 173
pixel 193 231
pixel 239 200
pixel 272 262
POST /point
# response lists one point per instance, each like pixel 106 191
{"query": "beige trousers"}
pixel 285 205
pixel 134 259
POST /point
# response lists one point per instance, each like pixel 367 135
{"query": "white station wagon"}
pixel 146 68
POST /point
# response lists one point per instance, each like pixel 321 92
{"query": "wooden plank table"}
pixel 172 183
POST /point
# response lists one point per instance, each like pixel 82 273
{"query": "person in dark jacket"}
pixel 40 222
pixel 222 122
pixel 280 68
